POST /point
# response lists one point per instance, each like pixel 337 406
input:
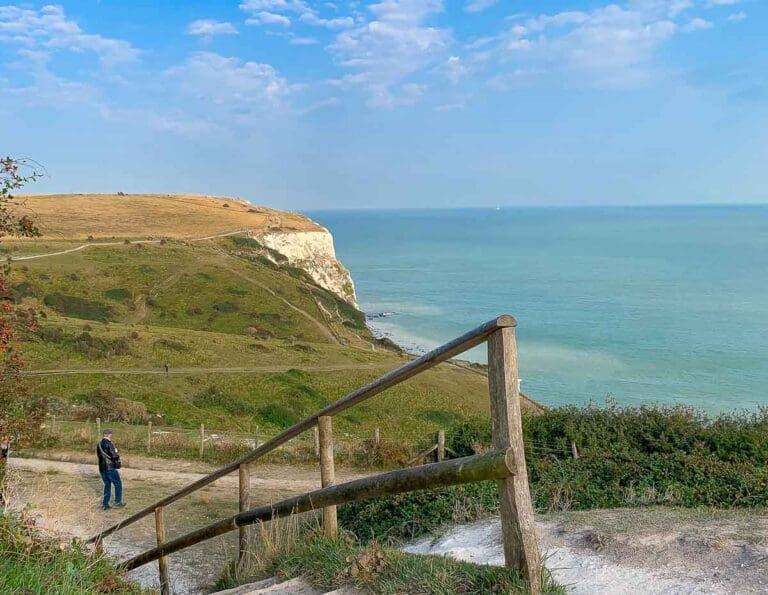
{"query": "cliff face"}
pixel 313 252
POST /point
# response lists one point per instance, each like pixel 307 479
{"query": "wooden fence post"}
pixel 440 445
pixel 327 473
pixel 53 423
pixel 316 433
pixel 244 474
pixel 162 563
pixel 202 439
pixel 376 437
pixel 574 450
pixel 149 437
pixel 98 428
pixel 256 437
pixel 518 526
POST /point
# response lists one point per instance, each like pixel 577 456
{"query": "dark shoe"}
pixel 119 505
pixel 107 507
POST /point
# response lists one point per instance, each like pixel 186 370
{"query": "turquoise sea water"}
pixel 653 304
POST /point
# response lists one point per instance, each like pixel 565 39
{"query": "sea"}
pixel 636 305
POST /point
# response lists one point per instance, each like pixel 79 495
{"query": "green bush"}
pixel 77 307
pixel 117 294
pixel 628 456
pixel 277 415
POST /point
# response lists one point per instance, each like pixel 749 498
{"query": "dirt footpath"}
pixel 648 551
pixel 65 498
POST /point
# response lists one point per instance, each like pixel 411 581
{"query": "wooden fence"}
pixel 506 464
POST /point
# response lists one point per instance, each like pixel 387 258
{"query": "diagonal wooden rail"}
pixel 520 546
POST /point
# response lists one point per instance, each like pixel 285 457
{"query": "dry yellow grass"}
pixel 104 216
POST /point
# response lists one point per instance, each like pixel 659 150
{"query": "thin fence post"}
pixel 149 436
pixel 316 433
pixel 376 437
pixel 202 439
pixel 256 437
pixel 244 475
pixel 440 445
pixel 574 450
pixel 162 563
pixel 327 472
pixel 53 423
pixel 518 526
pixel 98 428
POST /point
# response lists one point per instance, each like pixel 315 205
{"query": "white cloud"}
pixel 454 69
pixel 276 11
pixel 230 83
pixel 49 29
pixel 303 41
pixel 610 46
pixel 723 2
pixel 268 18
pixel 311 18
pixel 697 24
pixel 385 50
pixel 479 5
pixel 737 17
pixel 209 28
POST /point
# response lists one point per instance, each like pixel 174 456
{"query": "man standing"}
pixel 109 463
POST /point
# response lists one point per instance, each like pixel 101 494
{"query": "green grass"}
pixel 30 563
pixel 289 550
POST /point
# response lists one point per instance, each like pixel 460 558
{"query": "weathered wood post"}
pixel 316 434
pixel 376 437
pixel 327 472
pixel 518 526
pixel 440 445
pixel 98 428
pixel 202 439
pixel 162 563
pixel 149 437
pixel 256 437
pixel 244 474
pixel 574 450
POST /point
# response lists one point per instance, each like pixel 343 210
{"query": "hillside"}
pixel 104 216
pixel 260 341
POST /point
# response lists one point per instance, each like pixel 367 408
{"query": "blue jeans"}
pixel 112 477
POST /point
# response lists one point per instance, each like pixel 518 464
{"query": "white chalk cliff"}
pixel 313 252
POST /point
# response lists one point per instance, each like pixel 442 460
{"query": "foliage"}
pixel 18 413
pixel 77 307
pixel 31 563
pixel 628 456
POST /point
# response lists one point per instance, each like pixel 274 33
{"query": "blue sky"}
pixel 399 103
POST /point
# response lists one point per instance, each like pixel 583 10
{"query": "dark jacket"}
pixel 108 456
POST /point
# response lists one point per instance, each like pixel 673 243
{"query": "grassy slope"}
pixel 189 305
pixel 103 216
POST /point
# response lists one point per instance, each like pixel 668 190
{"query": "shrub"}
pixel 77 307
pixel 110 406
pixel 117 294
pixel 277 415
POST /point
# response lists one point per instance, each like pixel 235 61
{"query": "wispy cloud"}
pixel 478 5
pixel 275 12
pixel 49 29
pixel 210 28
pixel 394 43
pixel 230 83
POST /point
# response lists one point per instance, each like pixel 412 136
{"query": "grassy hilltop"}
pixel 204 305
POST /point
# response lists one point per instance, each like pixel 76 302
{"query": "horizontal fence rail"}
pixel 487 466
pixel 429 360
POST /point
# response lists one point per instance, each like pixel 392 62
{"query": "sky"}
pixel 300 104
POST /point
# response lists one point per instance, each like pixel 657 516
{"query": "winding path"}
pixel 212 370
pixel 101 244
